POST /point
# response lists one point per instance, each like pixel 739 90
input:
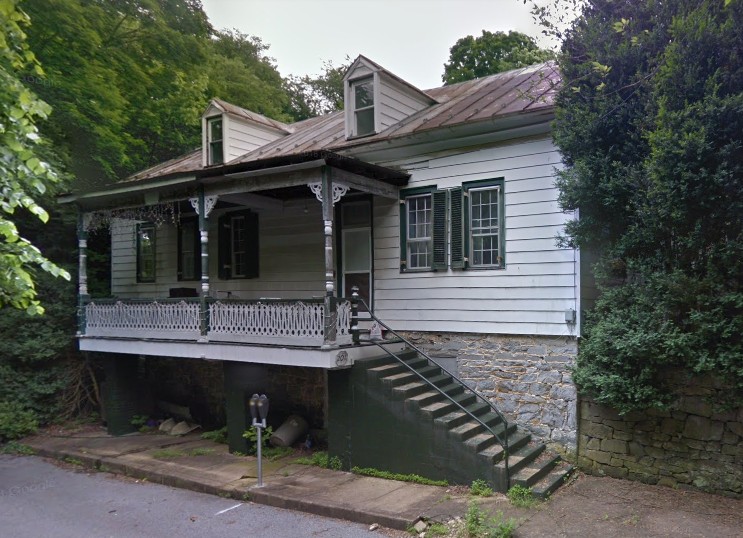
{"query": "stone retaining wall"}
pixel 526 377
pixel 689 445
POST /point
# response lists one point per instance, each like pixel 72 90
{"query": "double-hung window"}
pixel 484 227
pixel 423 229
pixel 362 94
pixel 146 252
pixel 215 140
pixel 238 245
pixel 189 249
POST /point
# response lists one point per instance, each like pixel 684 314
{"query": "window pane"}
pixel 215 130
pixel 419 238
pixel 188 252
pixel 216 155
pixel 239 247
pixel 365 121
pixel 484 226
pixel 364 94
pixel 356 250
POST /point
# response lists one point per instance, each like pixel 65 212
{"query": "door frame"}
pixel 340 271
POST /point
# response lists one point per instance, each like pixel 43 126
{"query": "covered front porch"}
pixel 246 267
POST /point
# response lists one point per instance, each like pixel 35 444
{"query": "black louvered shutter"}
pixel 439 230
pixel 252 267
pixel 224 253
pixel 458 216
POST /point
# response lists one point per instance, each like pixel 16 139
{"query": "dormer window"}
pixel 214 139
pixel 363 106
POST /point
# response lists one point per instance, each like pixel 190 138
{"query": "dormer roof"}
pixel 249 115
pixel 356 70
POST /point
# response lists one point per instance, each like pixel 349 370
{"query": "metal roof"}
pixel 488 99
pixel 252 116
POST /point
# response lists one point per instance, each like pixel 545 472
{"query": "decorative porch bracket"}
pixel 338 190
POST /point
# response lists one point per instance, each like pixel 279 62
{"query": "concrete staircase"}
pixel 475 451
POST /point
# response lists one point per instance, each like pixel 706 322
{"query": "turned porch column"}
pixel 203 205
pixel 82 273
pixel 330 298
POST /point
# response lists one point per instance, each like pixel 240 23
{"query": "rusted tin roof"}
pixel 488 99
pixel 252 116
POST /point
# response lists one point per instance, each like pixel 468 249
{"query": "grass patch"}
pixel 201 451
pixel 218 436
pixel 73 461
pixel 321 459
pixel 274 453
pixel 14 447
pixel 417 479
pixel 477 524
pixel 168 454
pixel 521 497
pixel 480 488
pixel 437 529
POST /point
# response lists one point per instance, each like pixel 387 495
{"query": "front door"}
pixel 356 249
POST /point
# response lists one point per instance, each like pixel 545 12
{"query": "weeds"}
pixel 480 488
pixel 167 453
pixel 437 529
pixel 478 525
pixel 521 497
pixel 201 451
pixel 14 447
pixel 218 436
pixel 417 479
pixel 321 459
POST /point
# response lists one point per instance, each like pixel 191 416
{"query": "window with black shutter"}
pixel 189 249
pixel 423 229
pixel 477 225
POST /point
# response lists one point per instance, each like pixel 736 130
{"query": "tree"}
pixel 311 96
pixel 475 57
pixel 24 174
pixel 650 124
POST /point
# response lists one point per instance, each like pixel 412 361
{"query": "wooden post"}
pixel 204 241
pixel 355 314
pixel 82 276
pixel 329 338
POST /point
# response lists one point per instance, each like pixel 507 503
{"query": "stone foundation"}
pixel 527 378
pixel 689 445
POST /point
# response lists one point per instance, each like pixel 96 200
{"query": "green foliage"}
pixel 24 174
pixel 321 459
pixel 16 421
pixel 417 479
pixel 521 496
pixel 317 95
pixel 14 447
pixel 273 453
pixel 168 454
pixel 218 436
pixel 437 529
pixel 650 123
pixel 251 434
pixel 480 488
pixel 475 57
pixel 478 525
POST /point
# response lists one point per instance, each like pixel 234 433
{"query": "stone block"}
pixel 614 445
pixel 636 449
pixel 624 436
pixel 550 377
pixel 671 426
pixel 563 392
pixel 698 427
pixel 615 472
pixel 536 350
pixel 559 359
pixel 593 444
pixel 735 427
pixel 597 456
pixel 620 425
pixel 594 429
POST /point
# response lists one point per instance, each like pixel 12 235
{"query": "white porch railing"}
pixel 143 319
pixel 258 322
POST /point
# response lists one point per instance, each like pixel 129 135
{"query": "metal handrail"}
pixel 355 299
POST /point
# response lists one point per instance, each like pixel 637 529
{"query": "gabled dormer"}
pixel 376 99
pixel 228 131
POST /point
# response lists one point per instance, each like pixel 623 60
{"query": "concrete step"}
pixel 425 398
pixel 535 471
pixel 411 389
pixel 553 480
pixel 520 458
pixel 516 440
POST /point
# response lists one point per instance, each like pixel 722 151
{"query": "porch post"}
pixel 330 299
pixel 82 274
pixel 204 241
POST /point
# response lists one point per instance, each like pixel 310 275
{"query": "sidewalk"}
pixel 589 506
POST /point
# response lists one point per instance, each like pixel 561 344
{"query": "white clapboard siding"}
pixel 243 136
pixel 396 102
pixel 529 296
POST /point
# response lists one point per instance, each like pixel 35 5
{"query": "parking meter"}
pixel 258 406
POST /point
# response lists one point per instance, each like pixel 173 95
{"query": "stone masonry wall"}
pixel 526 377
pixel 690 445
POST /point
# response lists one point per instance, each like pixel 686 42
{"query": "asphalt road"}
pixel 38 499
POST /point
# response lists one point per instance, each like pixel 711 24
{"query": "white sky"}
pixel 411 38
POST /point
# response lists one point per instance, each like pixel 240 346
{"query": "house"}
pixel 438 207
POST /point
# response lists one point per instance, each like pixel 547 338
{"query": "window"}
pixel 238 245
pixel 362 93
pixel 461 228
pixel 423 230
pixel 189 249
pixel 146 252
pixel 214 139
pixel 477 217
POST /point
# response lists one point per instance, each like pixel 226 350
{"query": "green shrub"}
pixel 251 434
pixel 16 421
pixel 478 525
pixel 521 497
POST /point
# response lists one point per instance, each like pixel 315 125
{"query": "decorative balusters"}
pixel 344 324
pixel 275 319
pixel 166 320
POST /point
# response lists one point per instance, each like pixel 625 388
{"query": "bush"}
pixel 521 497
pixel 480 488
pixel 16 421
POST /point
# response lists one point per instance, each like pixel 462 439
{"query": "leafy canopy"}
pixel 650 124
pixel 24 175
pixel 492 52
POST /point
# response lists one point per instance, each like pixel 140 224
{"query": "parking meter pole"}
pixel 260 455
